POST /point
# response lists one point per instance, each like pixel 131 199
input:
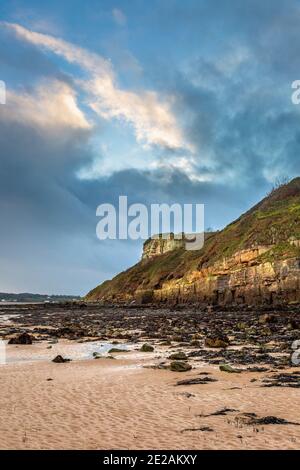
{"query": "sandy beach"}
pixel 120 404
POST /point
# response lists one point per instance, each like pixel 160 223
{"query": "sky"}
pixel 164 101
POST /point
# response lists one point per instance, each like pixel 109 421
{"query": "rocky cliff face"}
pixel 254 260
pixel 161 245
pixel 241 279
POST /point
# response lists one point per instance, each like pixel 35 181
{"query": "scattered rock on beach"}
pixel 117 350
pixel 292 325
pixel 291 379
pixel 203 429
pixel 165 343
pixel 60 360
pixel 23 338
pixel 257 369
pixel 186 394
pixel 96 355
pixel 228 368
pixel 219 341
pixel 178 366
pixel 161 365
pixel 196 381
pixel 223 412
pixel 267 318
pixel 179 356
pixel 251 419
pixel 147 348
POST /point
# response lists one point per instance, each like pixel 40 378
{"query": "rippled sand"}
pixel 118 404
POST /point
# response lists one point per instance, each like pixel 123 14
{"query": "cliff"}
pixel 159 246
pixel 254 260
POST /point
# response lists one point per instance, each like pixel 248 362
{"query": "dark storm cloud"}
pixel 39 217
pixel 236 95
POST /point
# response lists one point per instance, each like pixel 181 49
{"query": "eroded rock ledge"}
pixel 241 279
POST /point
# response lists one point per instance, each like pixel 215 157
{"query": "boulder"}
pixel 96 355
pixel 117 350
pixel 147 348
pixel 23 338
pixel 179 356
pixel 267 318
pixel 228 368
pixel 178 366
pixel 292 325
pixel 60 360
pixel 216 341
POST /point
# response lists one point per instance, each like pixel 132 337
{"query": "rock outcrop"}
pixel 161 245
pixel 254 260
pixel 271 282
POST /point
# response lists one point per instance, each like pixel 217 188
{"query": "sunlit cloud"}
pixel 186 166
pixel 73 54
pixel 52 106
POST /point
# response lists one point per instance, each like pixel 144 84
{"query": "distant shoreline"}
pixel 28 297
pixel 36 302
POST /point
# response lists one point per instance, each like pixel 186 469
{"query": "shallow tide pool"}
pixel 45 351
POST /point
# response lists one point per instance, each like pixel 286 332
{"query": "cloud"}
pixel 119 17
pixel 43 137
pixel 150 115
pixel 52 106
pixel 153 120
pixel 73 54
